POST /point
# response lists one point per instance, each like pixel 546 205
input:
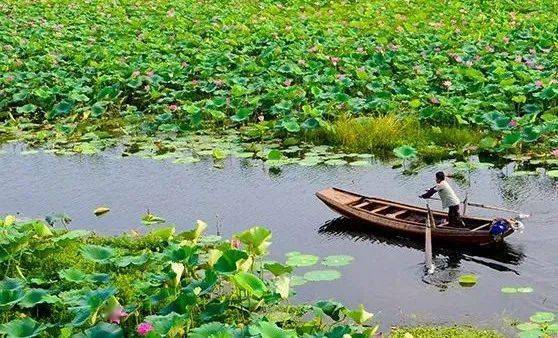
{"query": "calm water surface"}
pixel 387 274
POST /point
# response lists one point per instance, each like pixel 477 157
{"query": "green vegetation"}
pixel 540 324
pixel 284 69
pixel 59 283
pixel 380 135
pixel 444 332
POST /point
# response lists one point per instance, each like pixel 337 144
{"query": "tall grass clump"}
pixel 378 135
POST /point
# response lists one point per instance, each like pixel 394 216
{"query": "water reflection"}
pixel 448 259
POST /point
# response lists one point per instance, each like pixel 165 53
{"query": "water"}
pixel 387 275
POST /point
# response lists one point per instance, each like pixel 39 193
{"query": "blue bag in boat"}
pixel 498 228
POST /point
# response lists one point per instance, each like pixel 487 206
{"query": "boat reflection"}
pixel 447 258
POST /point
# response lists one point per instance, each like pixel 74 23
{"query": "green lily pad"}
pixel 542 317
pixel 298 280
pixel 337 260
pixel 301 260
pixel 467 280
pixel 322 275
pixel 526 289
pixel 552 173
pixel 405 152
pixel 361 163
pixel 335 162
pixel 527 326
pixel 508 290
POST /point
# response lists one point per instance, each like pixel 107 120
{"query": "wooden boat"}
pixel 407 219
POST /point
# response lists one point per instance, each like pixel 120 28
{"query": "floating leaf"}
pixel 218 154
pixel 298 280
pixel 405 152
pixel 542 317
pixel 301 260
pixel 337 260
pixel 322 275
pixel 101 211
pixel 274 155
pixel 526 289
pixel 335 162
pixel 467 280
pixel 361 163
pixel 150 219
pixel 508 290
pixel 527 326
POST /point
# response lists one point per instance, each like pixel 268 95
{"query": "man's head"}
pixel 440 176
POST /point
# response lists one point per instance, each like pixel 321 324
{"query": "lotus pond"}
pixel 281 68
pixel 232 194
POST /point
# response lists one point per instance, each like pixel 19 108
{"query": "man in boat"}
pixel 448 197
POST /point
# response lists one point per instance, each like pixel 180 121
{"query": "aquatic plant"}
pixel 180 66
pixel 162 284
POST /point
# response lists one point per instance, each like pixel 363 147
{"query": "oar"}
pixel 491 207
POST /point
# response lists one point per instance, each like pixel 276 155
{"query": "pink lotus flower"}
pixel 555 152
pixel 170 13
pixel 457 58
pixel 184 64
pixel 334 60
pixel 116 315
pixel 136 73
pixel 173 107
pixel 447 84
pixel 340 76
pixel 10 78
pixel 219 83
pixel 287 82
pixel 392 47
pixel 150 73
pixel 538 84
pixel 301 62
pixel 235 243
pixel 489 49
pixel 144 328
pixel 513 123
pixel 261 118
pixel 434 100
pixel 506 39
pixel 194 82
pixel 146 87
pixel 360 50
pixel 529 63
pixel 313 49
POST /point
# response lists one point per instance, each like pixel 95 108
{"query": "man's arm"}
pixel 429 193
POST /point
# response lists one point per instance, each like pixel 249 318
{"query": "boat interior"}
pixel 416 215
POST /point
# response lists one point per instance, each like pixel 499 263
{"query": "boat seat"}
pixel 482 226
pixel 380 209
pixel 398 213
pixel 360 205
